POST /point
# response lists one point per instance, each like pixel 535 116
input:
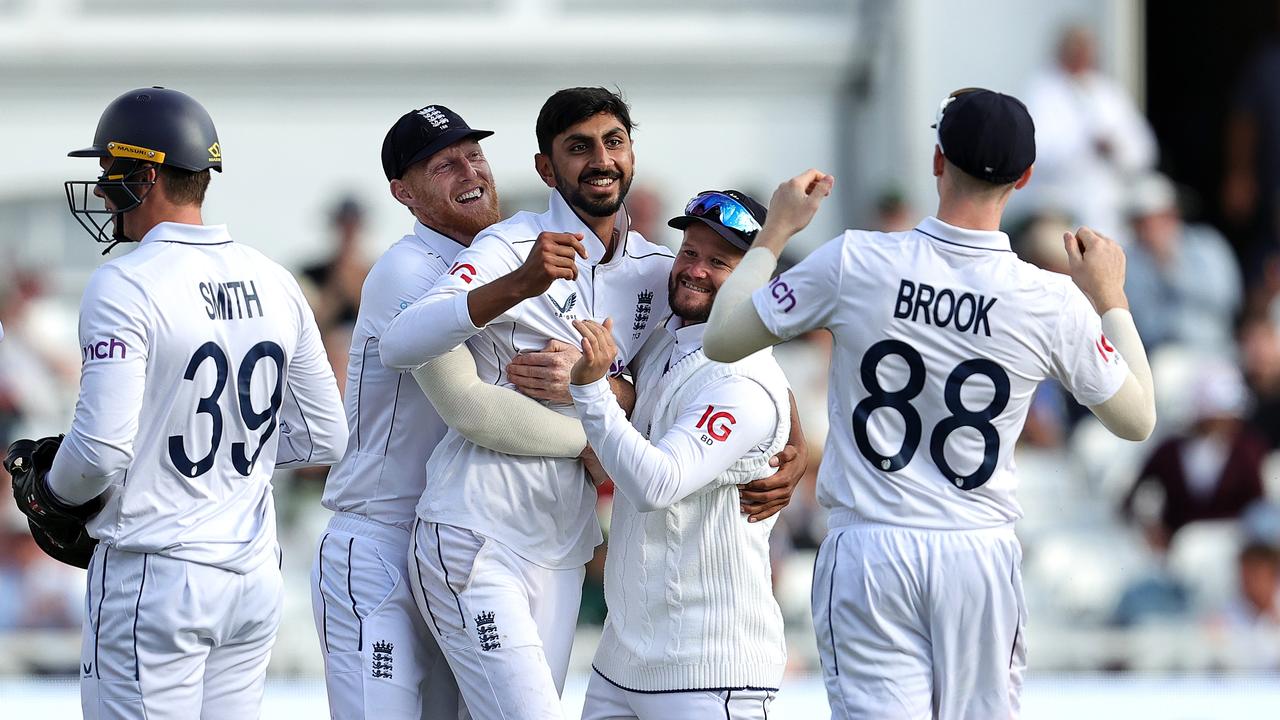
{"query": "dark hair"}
pixel 184 187
pixel 571 106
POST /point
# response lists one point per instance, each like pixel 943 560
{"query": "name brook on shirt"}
pixel 233 300
pixel 962 311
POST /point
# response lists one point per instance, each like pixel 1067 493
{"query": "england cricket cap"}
pixel 987 134
pixel 734 215
pixel 419 134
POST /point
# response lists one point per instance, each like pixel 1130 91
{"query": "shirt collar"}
pixel 564 219
pixel 185 234
pixel 437 242
pixel 964 237
pixel 688 337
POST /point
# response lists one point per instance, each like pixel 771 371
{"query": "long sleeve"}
pixel 440 320
pixel 115 346
pixel 735 329
pixel 313 425
pixel 495 417
pixel 726 420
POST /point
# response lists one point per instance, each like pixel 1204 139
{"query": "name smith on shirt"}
pixel 232 300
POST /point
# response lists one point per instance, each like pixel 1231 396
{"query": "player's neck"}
pixel 603 228
pixel 185 214
pixel 970 215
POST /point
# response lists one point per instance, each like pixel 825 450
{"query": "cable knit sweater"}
pixel 688 582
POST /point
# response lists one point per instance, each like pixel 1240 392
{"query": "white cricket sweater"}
pixel 688 585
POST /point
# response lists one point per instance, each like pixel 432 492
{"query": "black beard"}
pixel 689 315
pixel 594 208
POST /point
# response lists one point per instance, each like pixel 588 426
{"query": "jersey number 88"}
pixel 253 419
pixel 961 416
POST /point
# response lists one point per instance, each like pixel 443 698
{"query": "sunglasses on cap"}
pixel 721 208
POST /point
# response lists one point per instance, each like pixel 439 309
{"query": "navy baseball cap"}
pixel 734 215
pixel 987 134
pixel 419 134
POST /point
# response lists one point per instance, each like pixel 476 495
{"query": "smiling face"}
pixel 702 264
pixel 591 164
pixel 452 191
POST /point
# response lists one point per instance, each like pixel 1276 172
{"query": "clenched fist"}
pixel 1096 264
pixel 552 258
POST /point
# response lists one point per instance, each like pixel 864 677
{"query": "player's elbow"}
pixel 1139 428
pixel 1133 426
pixel 647 503
pixel 658 493
pixel 99 459
pixel 395 352
pixel 330 445
pixel 717 347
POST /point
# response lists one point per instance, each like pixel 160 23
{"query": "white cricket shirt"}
pixel 543 508
pixel 941 336
pixel 200 357
pixel 394 428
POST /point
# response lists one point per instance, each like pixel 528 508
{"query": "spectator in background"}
pixel 1183 280
pixel 644 208
pixel 333 284
pixel 36 591
pixel 37 376
pixel 1253 615
pixel 1090 137
pixel 1251 162
pixel 1213 472
pixel 1259 340
pixel 893 212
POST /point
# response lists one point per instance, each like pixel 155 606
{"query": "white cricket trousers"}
pixel 607 701
pixel 380 661
pixel 171 639
pixel 505 624
pixel 917 624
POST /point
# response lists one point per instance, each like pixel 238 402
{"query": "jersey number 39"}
pixel 961 416
pixel 253 419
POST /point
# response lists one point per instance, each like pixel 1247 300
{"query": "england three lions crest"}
pixel 644 306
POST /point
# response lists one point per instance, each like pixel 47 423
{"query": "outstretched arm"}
pixel 487 280
pixel 495 417
pixel 720 426
pixel 1097 266
pixel 544 375
pixel 735 329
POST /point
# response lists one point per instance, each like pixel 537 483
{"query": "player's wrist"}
pixel 1113 300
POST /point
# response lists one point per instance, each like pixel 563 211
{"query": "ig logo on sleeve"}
pixel 717 425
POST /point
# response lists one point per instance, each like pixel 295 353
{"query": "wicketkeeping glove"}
pixel 58 528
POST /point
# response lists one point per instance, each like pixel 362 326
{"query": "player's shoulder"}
pixel 1052 286
pixel 515 235
pixel 408 257
pixel 401 275
pixel 638 247
pixel 520 227
pixel 117 277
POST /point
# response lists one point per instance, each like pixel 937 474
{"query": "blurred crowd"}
pixel 1181 532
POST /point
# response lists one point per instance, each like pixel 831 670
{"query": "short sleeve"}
pixel 804 297
pixel 1084 360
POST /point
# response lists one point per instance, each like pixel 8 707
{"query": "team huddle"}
pixel 501 370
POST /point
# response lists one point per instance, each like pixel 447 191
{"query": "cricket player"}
pixel 381 661
pixel 693 629
pixel 502 540
pixel 941 336
pixel 203 371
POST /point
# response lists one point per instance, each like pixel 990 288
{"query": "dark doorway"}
pixel 1196 51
